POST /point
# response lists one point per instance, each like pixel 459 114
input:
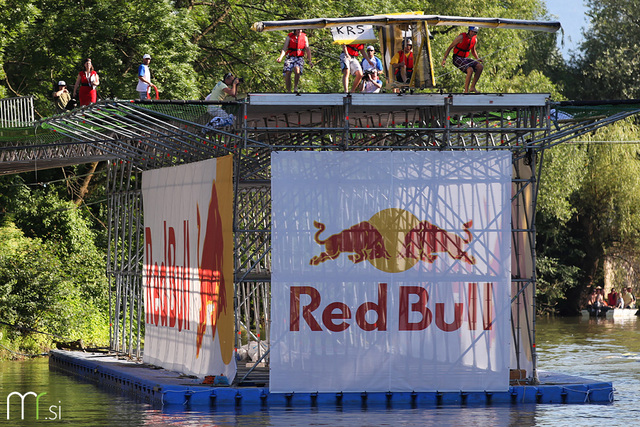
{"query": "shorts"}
pixel 353 65
pixel 291 62
pixel 463 63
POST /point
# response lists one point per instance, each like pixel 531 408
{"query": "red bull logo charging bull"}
pixel 394 240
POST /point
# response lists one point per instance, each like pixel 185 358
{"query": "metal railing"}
pixel 16 112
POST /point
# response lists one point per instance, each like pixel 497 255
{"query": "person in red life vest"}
pixel 88 80
pixel 402 62
pixel 296 46
pixel 462 45
pixel 349 64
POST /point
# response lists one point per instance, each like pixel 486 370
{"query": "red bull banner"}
pixel 188 268
pixel 391 271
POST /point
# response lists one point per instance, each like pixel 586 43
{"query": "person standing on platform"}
pixel 463 45
pixel 87 80
pixel 371 62
pixel 144 78
pixel 296 46
pixel 61 97
pixel 350 65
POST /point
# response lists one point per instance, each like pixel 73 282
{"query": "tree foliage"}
pixel 194 43
pixel 52 281
pixel 610 51
pixel 588 210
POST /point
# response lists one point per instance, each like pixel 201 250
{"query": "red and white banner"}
pixel 188 268
pixel 391 271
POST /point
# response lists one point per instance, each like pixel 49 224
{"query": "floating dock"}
pixel 159 386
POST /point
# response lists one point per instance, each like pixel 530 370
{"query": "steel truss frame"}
pixel 142 135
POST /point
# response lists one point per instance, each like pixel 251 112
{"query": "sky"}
pixel 571 14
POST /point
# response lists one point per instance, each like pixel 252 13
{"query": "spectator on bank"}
pixel 88 80
pixel 144 78
pixel 61 97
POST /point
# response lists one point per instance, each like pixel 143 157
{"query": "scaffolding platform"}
pixel 159 386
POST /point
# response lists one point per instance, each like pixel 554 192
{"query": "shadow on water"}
pixel 604 350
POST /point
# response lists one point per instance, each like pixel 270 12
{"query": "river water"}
pixel 604 350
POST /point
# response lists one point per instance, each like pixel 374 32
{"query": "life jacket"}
pixel 407 59
pixel 463 48
pixel 354 49
pixel 297 44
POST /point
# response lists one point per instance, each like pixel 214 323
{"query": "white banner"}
pixel 391 271
pixel 350 34
pixel 188 268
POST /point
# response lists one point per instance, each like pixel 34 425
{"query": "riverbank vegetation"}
pixel 52 223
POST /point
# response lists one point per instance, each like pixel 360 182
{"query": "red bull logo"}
pixel 426 240
pixel 394 240
pixel 363 240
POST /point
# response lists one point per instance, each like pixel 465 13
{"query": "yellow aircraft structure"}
pixel 393 28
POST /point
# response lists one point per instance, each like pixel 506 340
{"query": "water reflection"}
pixel 600 349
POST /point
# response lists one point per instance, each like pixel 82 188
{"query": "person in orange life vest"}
pixel 296 45
pixel 462 45
pixel 350 64
pixel 402 62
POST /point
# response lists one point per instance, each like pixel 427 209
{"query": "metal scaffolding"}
pixel 134 136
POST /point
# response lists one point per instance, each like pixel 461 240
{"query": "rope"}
pixel 182 391
pixel 27 329
pixel 22 354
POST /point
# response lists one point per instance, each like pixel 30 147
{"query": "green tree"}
pixel 588 210
pixel 52 273
pixel 115 34
pixel 609 51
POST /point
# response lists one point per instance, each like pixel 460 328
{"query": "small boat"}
pixel 611 313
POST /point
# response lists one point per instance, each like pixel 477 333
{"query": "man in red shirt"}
pixel 462 45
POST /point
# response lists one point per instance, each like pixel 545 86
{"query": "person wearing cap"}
pixel 370 82
pixel 463 45
pixel 371 62
pixel 61 97
pixel 402 62
pixel 296 46
pixel 144 78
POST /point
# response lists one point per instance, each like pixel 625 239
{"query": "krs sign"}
pixel 413 313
